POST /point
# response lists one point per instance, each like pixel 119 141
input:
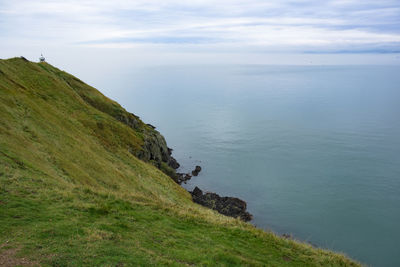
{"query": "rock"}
pixel 148 124
pixel 179 178
pixel 182 177
pixel 229 206
pixel 154 148
pixel 196 171
pixel 173 163
pixel 129 119
pixel 197 192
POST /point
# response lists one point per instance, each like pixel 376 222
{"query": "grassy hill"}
pixel 81 185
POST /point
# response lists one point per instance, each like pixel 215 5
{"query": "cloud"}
pixel 252 25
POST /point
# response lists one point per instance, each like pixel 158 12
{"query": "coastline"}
pixel 226 205
pixel 81 174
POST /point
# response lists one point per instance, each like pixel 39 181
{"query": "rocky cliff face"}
pixel 153 149
pixel 154 146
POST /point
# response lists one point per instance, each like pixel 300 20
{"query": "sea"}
pixel 313 150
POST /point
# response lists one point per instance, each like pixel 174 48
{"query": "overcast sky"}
pixel 169 31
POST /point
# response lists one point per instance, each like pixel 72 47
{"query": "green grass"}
pixel 71 193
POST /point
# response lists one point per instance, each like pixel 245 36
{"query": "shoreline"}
pixel 226 205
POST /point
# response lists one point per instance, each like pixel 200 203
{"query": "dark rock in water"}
pixel 182 177
pixel 229 206
pixel 196 171
pixel 196 193
pixel 173 163
pixel 179 177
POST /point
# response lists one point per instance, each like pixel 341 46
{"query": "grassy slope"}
pixel 71 194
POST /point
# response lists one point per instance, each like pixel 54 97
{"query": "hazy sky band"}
pixel 300 26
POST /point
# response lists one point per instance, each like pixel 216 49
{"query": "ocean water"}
pixel 314 150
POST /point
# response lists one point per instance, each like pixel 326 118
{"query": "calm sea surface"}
pixel 314 150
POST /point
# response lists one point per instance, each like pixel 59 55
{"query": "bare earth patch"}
pixel 8 258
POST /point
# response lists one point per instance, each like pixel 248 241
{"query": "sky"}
pixel 204 32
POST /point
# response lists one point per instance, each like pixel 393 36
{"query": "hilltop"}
pixel 83 182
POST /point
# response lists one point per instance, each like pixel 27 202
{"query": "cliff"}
pixel 81 185
pixel 149 146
